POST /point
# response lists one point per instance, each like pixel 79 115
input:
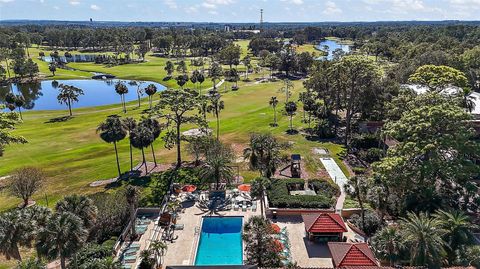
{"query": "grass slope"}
pixel 73 155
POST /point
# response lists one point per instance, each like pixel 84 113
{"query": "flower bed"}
pixel 279 194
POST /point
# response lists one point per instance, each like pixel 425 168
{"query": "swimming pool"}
pixel 220 241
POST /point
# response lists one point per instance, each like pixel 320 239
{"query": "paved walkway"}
pixel 337 175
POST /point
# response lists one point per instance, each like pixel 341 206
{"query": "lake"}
pixel 43 95
pixel 330 46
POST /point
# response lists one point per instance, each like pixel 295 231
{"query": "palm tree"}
pixel 81 206
pixel 122 89
pixel 423 237
pixel 200 79
pixel 288 85
pixel 273 103
pixel 132 193
pixel 15 230
pixel 154 126
pixel 138 83
pixel 218 158
pixel 130 124
pixel 388 244
pixel 68 95
pixel 194 78
pixel 290 108
pixel 147 260
pixel 215 106
pixel 19 103
pixel 142 137
pixel 264 154
pixel 112 131
pixel 62 237
pixel 259 187
pixel 458 230
pixel 215 72
pixel 150 90
pixel 158 248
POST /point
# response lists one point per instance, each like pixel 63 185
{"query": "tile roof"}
pixel 351 254
pixel 324 223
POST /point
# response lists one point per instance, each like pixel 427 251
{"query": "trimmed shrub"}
pixel 279 195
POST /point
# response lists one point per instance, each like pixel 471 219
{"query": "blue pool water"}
pixel 220 242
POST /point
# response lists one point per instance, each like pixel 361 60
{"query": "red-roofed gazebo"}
pixel 351 254
pixel 324 226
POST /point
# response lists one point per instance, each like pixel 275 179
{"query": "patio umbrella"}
pixel 244 187
pixel 276 229
pixel 189 188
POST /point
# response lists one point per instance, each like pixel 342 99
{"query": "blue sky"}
pixel 241 10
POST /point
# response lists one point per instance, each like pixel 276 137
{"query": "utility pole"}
pixel 261 20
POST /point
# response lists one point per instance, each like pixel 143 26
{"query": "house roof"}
pixel 324 223
pixel 351 254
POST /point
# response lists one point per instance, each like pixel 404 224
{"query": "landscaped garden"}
pixel 280 196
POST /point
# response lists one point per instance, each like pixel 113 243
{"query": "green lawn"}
pixel 73 155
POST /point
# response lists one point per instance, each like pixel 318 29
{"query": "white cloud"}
pixel 56 7
pixel 331 8
pixel 94 7
pixel 213 12
pixel 6 1
pixel 295 2
pixel 74 2
pixel 171 4
pixel 212 4
pixel 209 5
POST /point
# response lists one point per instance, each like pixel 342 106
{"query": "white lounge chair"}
pixel 235 207
pixel 244 208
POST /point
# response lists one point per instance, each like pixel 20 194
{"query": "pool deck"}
pixel 182 250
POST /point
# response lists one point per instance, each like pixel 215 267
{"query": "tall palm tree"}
pixel 290 108
pixel 15 230
pixel 264 154
pixel 81 206
pixel 218 158
pixel 122 89
pixel 259 187
pixel 423 237
pixel 142 137
pixel 68 95
pixel 216 105
pixel 150 90
pixel 63 237
pixel 19 103
pixel 458 230
pixel 273 103
pixel 288 85
pixel 388 244
pixel 154 126
pixel 200 79
pixel 130 125
pixel 112 131
pixel 132 194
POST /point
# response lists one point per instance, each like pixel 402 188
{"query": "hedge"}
pixel 279 196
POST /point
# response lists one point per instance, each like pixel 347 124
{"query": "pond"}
pixel 331 46
pixel 43 95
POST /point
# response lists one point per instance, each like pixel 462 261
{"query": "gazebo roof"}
pixel 351 254
pixel 324 223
